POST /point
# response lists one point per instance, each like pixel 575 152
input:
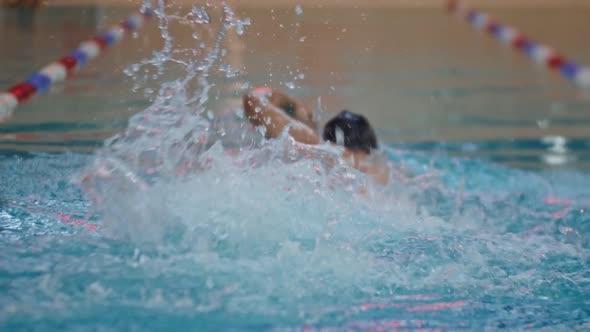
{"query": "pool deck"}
pixel 409 4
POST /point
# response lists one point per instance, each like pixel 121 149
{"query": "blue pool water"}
pixel 188 220
pixel 475 246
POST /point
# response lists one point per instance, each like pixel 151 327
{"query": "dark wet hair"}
pixel 357 132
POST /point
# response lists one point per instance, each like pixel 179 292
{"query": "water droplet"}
pixel 239 113
pixel 302 39
pixel 200 16
pixel 228 70
pixel 298 10
pixel 241 24
pixel 195 35
pixel 239 29
pixel 131 70
pixel 301 76
pixel 210 115
pixel 290 85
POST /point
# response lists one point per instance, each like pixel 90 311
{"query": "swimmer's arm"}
pixel 261 112
pixel 301 113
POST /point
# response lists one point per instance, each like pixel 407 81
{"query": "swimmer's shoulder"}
pixel 378 167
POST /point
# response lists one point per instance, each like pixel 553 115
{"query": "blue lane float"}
pixel 537 52
pixel 61 69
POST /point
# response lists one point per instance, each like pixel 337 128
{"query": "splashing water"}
pixel 272 229
pixel 188 227
pixel 200 16
pixel 298 10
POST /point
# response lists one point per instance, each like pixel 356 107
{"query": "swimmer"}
pixel 274 110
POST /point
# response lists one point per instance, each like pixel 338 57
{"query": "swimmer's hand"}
pixel 254 101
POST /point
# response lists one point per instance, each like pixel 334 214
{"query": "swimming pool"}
pixel 463 243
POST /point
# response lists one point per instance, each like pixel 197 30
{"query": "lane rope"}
pixel 64 67
pixel 537 52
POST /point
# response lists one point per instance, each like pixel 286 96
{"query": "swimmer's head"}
pixel 357 134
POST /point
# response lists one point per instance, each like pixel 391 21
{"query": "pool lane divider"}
pixel 64 67
pixel 537 52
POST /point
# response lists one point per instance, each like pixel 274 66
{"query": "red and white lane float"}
pixel 537 52
pixel 62 69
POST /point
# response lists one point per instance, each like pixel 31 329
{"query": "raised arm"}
pixel 292 107
pixel 259 107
